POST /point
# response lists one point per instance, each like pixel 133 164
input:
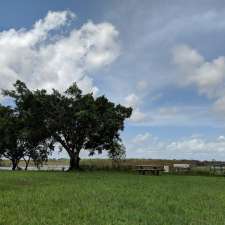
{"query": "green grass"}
pixel 106 198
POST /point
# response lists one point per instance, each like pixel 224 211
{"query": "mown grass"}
pixel 106 198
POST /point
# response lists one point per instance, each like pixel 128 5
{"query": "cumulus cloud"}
pixel 143 138
pixel 207 76
pixel 134 101
pixel 138 116
pixel 167 115
pixel 179 116
pixel 199 146
pixel 53 55
pixel 146 145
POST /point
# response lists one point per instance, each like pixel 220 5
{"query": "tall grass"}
pixel 198 168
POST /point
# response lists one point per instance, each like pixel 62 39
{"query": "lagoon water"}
pixel 43 168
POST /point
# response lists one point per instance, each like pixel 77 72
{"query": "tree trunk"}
pixel 27 163
pixel 74 162
pixel 14 164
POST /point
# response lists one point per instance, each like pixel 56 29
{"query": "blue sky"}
pixel 163 58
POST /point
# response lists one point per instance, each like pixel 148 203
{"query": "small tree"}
pixel 32 135
pixel 117 153
pixel 11 146
pixel 38 154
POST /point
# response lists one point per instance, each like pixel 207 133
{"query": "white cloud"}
pixel 138 116
pixel 142 138
pixel 190 145
pixel 187 57
pixel 221 138
pixel 182 115
pixel 132 100
pixel 146 145
pixel 46 59
pixel 207 76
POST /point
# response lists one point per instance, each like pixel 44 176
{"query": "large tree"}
pixel 81 122
pixel 77 121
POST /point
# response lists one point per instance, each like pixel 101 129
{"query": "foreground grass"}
pixel 106 198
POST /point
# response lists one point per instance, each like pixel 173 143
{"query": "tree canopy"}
pixel 78 122
pixel 10 142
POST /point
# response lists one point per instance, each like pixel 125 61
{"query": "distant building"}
pixel 166 169
pixel 181 167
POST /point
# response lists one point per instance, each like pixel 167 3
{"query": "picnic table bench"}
pixel 148 169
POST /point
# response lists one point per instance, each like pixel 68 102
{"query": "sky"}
pixel 166 59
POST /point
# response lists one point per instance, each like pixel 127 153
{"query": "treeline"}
pixel 38 121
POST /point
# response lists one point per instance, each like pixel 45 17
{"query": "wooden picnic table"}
pixel 149 169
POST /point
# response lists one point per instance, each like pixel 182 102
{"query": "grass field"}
pixel 106 198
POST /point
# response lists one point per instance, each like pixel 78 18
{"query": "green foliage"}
pixel 77 121
pixel 110 198
pixel 80 122
pixel 24 135
pixel 11 146
pixel 117 151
